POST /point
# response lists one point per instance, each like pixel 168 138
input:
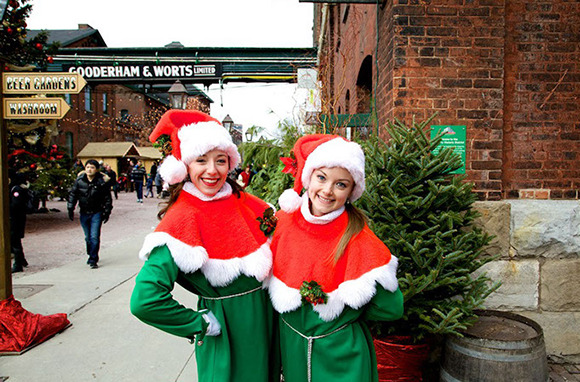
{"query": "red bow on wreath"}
pixel 290 166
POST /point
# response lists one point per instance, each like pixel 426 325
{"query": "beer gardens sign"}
pixel 39 83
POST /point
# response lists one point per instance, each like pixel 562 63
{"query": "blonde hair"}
pixel 356 223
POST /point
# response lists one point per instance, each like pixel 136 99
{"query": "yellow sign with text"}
pixel 35 108
pixel 42 83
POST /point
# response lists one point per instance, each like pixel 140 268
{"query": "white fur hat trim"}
pixel 338 153
pixel 172 170
pixel 202 137
pixel 289 201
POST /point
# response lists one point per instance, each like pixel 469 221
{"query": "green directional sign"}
pixel 454 137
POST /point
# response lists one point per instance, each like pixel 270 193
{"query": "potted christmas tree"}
pixel 424 214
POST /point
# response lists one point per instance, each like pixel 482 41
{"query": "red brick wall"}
pixel 98 126
pixel 542 103
pixel 508 70
pixel 449 61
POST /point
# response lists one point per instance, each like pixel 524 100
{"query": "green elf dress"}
pixel 329 341
pixel 213 247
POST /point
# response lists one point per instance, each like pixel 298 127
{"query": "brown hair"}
pixel 356 223
pixel 175 190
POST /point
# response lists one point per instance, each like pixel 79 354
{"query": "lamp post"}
pixel 249 135
pixel 228 123
pixel 178 95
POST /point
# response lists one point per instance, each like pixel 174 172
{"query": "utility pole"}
pixel 5 260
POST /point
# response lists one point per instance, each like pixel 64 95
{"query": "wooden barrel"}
pixel 500 346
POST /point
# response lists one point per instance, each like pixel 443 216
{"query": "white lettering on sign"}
pixel 34 108
pixel 18 83
pixel 55 83
pixel 150 71
pixel 205 70
pixel 107 71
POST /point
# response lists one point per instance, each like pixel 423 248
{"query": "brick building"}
pixel 507 70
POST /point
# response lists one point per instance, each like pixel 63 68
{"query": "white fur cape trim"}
pixel 289 201
pixel 353 293
pixel 223 193
pixel 172 170
pixel 217 271
pixel 338 153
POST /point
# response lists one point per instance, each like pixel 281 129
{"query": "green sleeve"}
pixel 385 305
pixel 153 303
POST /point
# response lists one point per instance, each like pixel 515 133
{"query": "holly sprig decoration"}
pixel 268 221
pixel 312 293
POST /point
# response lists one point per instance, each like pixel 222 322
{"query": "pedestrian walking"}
pixel 92 192
pixel 159 184
pixel 112 179
pixel 18 189
pixel 138 175
pixel 210 242
pixel 330 271
pixel 149 186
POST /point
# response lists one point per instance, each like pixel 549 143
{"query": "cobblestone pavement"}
pixel 52 240
pixel 564 373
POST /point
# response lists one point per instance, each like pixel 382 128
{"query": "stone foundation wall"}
pixel 539 267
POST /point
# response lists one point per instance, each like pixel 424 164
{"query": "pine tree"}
pixel 16 49
pixel 424 215
pixel 264 157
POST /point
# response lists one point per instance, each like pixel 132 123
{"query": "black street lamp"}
pixel 178 95
pixel 228 123
pixel 249 135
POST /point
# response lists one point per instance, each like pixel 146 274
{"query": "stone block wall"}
pixel 539 267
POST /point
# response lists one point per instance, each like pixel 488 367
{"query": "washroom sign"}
pixel 454 137
pixel 18 83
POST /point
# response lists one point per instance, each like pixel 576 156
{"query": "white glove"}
pixel 214 328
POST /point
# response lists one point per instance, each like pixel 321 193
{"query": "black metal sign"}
pixel 139 71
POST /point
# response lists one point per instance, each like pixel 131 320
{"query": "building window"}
pixel 68 99
pixel 88 98
pixel 364 85
pixel 124 115
pixel 69 143
pixel 105 104
pixel 347 102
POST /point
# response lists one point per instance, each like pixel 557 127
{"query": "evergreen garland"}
pixel 424 215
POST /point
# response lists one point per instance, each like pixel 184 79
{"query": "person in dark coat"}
pixel 18 199
pixel 138 175
pixel 112 180
pixel 91 190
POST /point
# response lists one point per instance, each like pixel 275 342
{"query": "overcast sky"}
pixel 211 23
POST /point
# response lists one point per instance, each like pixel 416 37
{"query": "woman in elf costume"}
pixel 212 240
pixel 330 272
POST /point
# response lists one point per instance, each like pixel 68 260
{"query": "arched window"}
pixel 69 143
pixel 364 86
pixel 347 102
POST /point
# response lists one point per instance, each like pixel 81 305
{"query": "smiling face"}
pixel 329 189
pixel 209 172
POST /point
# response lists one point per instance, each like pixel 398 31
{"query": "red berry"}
pixel 50 59
pixel 38 45
pixel 9 30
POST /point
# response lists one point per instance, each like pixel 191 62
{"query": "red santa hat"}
pixel 323 150
pixel 192 134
